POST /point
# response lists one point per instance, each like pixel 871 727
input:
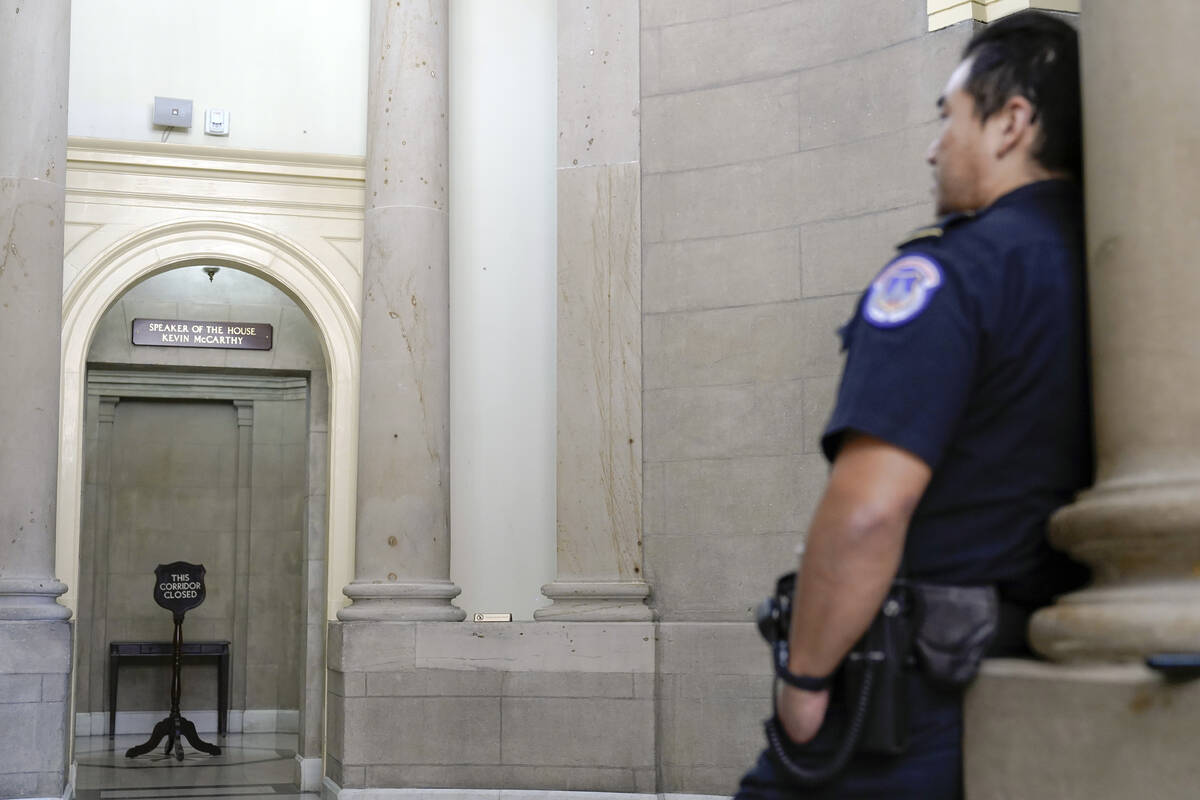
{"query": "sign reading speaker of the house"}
pixel 192 333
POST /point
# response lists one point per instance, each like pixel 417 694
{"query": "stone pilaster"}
pixel 35 639
pixel 241 558
pixel 599 318
pixel 97 649
pixel 1139 527
pixel 402 551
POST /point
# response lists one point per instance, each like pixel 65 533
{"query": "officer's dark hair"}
pixel 1035 56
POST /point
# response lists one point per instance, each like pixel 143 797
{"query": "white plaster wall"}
pixel 503 221
pixel 291 73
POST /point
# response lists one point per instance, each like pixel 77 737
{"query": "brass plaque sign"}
pixel 192 333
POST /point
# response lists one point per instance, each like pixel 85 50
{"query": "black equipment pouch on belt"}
pixel 956 624
pixel 943 629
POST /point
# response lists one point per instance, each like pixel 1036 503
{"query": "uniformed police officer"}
pixel 962 420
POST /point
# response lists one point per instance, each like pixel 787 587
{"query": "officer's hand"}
pixel 802 713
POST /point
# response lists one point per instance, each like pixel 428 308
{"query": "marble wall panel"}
pixel 716 272
pixel 755 494
pixel 422 730
pixel 714 693
pixel 878 92
pixel 724 346
pixel 598 97
pixel 775 40
pixel 711 127
pixel 820 394
pixel 599 374
pixel 685 569
pixel 723 421
pixel 541 730
pixel 842 256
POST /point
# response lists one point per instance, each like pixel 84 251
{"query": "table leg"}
pixel 114 663
pixel 223 694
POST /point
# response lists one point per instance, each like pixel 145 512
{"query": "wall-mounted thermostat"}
pixel 172 112
pixel 216 122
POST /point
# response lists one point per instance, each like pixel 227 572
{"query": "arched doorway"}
pixel 241 249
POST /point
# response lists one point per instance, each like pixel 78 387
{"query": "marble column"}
pixel 35 638
pixel 402 548
pixel 599 573
pixel 1139 527
pixel 33 153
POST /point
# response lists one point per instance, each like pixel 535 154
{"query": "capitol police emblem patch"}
pixel 902 291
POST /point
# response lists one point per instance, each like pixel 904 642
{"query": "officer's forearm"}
pixel 852 553
pixel 844 576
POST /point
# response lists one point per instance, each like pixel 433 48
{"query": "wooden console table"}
pixel 217 650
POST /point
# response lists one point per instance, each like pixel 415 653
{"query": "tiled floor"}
pixel 259 766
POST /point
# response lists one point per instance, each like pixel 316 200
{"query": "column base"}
pixel 402 602
pixel 1037 730
pixel 1139 537
pixel 32 599
pixel 1119 623
pixel 596 601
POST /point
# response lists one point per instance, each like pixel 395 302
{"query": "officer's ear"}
pixel 1013 128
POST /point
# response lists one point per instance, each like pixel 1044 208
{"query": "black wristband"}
pixel 806 682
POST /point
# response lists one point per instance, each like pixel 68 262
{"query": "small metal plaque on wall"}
pixel 192 333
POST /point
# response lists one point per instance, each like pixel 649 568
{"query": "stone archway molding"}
pixel 237 244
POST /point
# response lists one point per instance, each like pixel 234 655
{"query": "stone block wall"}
pixel 783 154
pixel 529 705
pixel 34 700
pixel 782 148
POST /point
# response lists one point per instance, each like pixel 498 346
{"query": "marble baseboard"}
pixel 308 774
pixel 68 791
pixel 258 720
pixel 331 791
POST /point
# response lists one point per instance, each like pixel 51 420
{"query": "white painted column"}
pixel 502 296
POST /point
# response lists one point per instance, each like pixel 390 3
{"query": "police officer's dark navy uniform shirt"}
pixel 969 350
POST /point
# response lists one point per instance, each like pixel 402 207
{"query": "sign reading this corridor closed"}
pixel 179 586
pixel 190 333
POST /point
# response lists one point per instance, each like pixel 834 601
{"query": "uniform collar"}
pixel 1051 187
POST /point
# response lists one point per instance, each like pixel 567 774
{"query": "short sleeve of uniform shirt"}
pixel 912 349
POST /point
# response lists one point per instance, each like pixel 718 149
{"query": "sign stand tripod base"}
pixel 176 727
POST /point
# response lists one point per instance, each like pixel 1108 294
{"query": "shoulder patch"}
pixel 902 290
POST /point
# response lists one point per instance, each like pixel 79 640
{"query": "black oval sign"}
pixel 179 586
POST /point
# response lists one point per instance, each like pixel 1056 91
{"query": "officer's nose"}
pixel 931 152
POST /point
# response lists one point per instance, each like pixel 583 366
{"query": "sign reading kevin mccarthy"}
pixel 192 333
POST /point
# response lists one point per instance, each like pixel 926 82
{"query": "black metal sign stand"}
pixel 168 594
